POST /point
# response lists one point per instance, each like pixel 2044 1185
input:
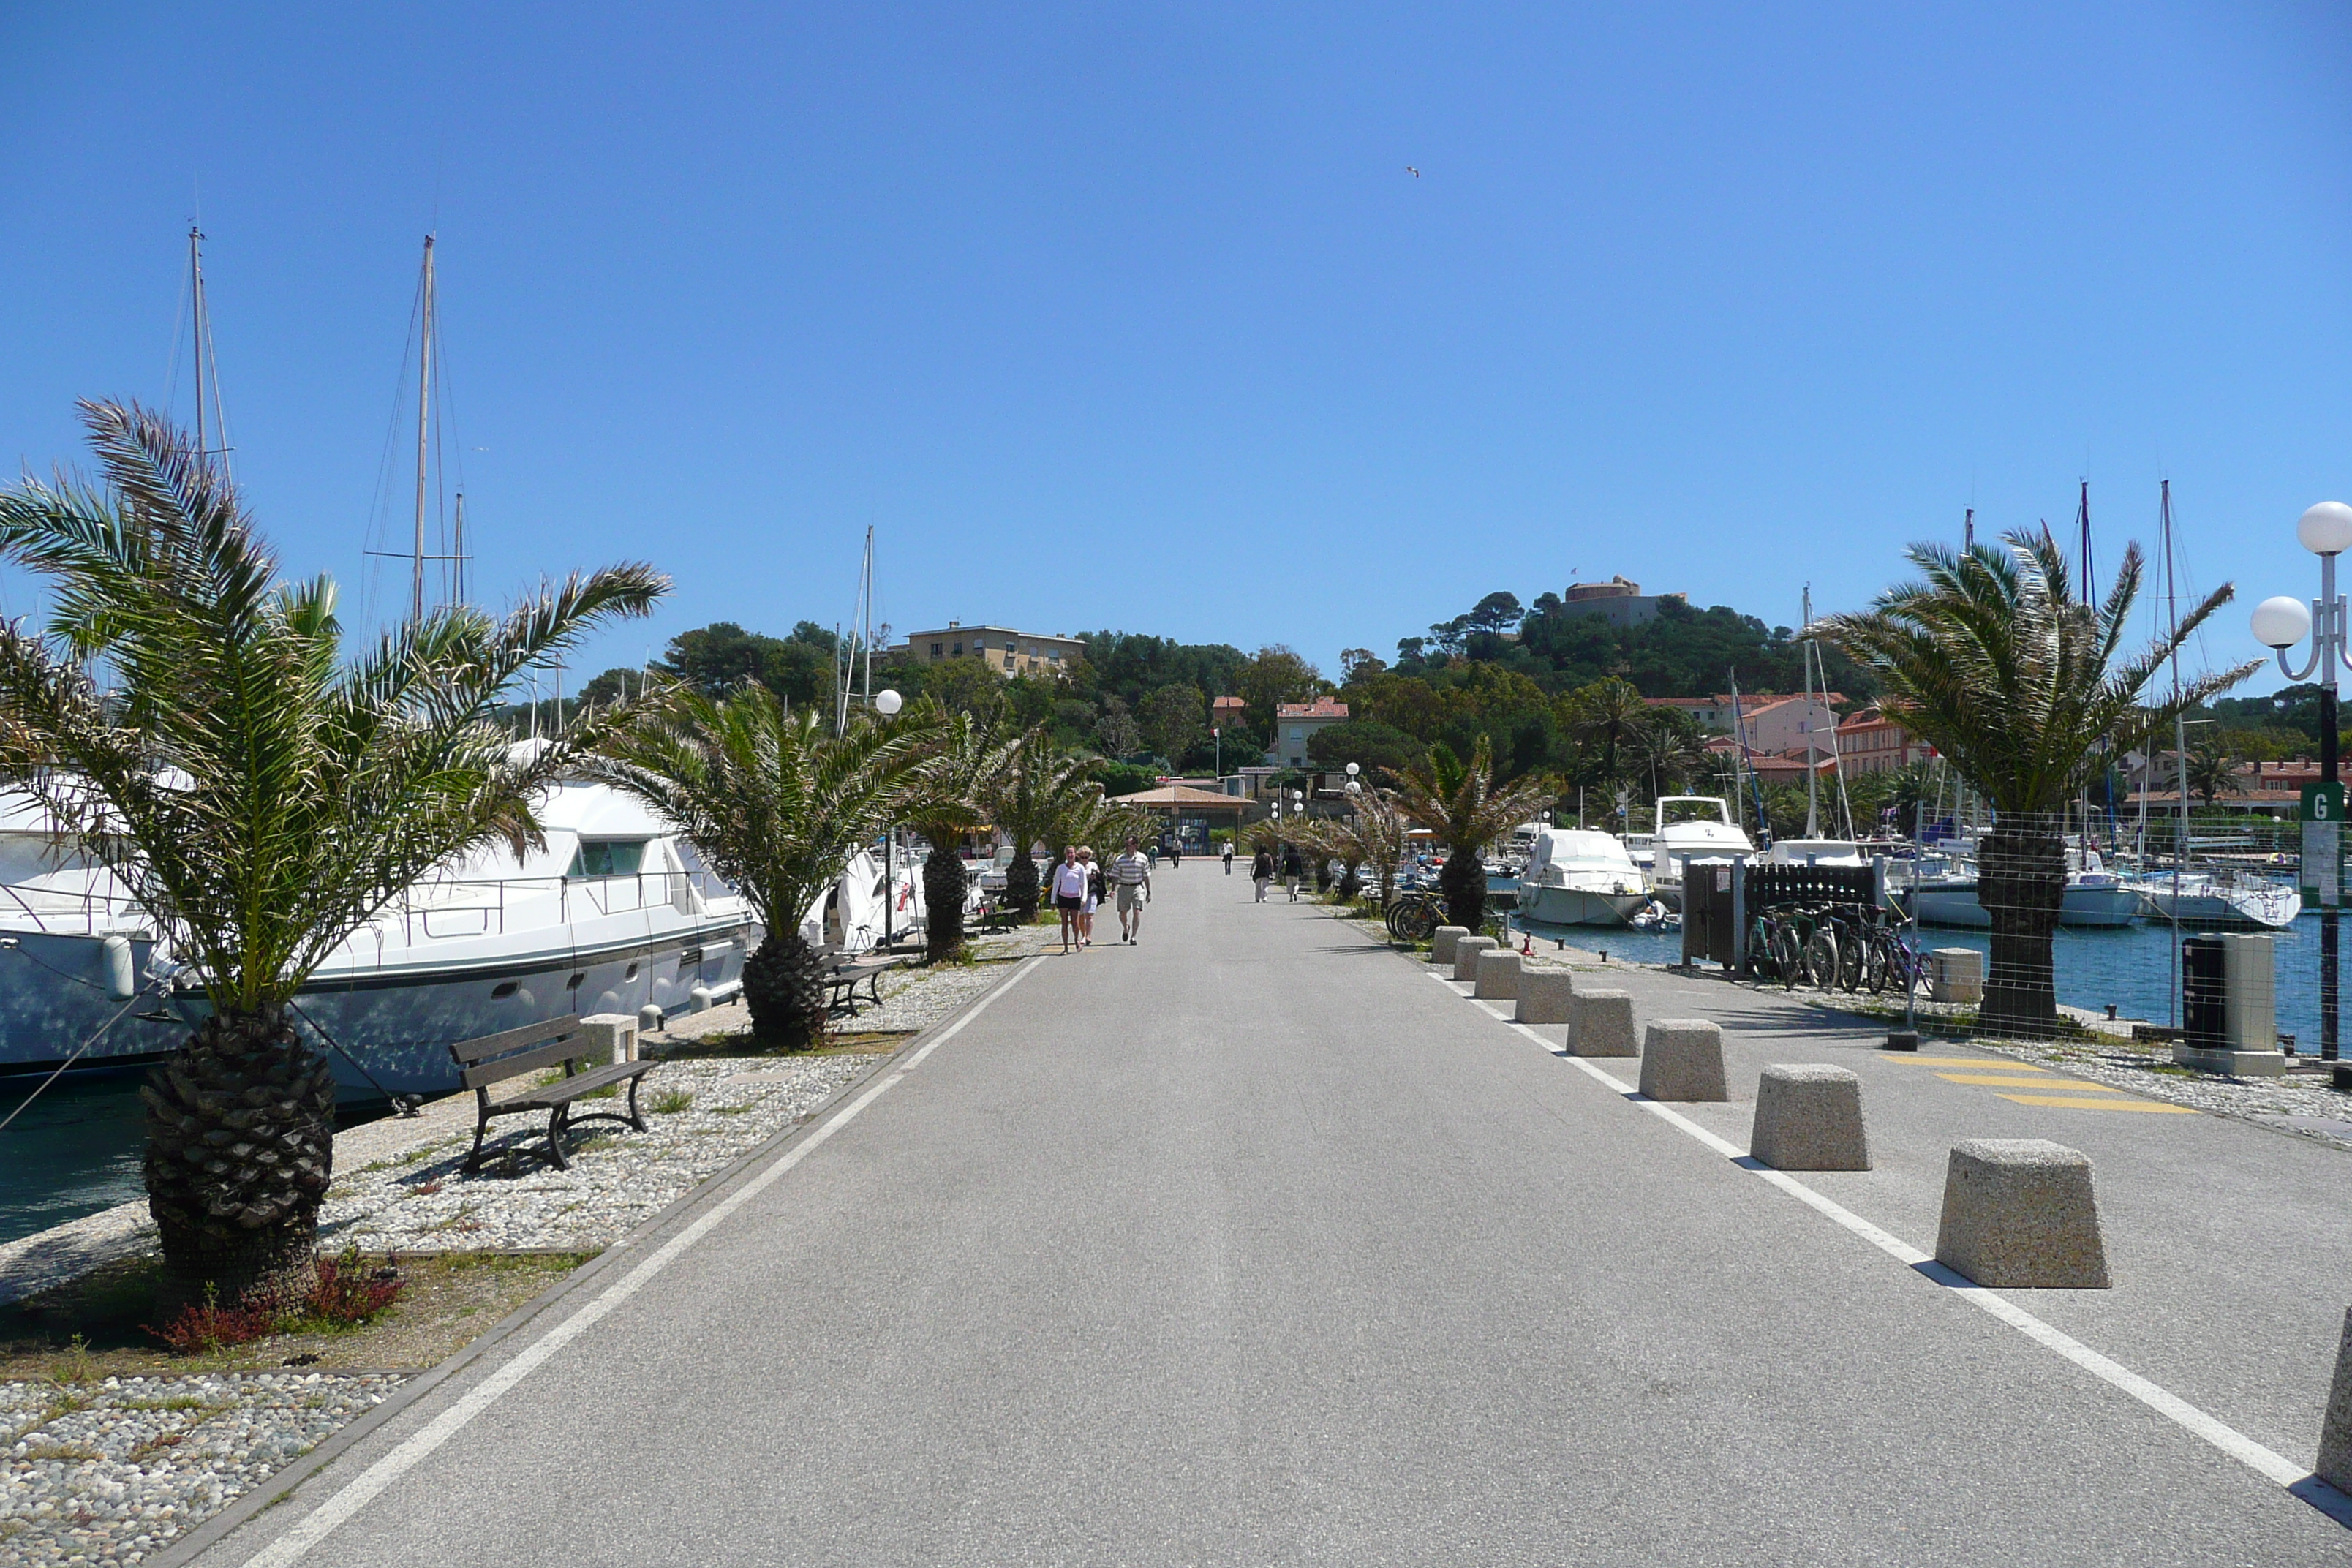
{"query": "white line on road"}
pixel 2271 1465
pixel 364 1486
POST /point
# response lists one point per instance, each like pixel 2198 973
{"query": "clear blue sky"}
pixel 1133 315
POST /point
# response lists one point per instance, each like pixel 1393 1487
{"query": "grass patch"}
pixel 730 1109
pixel 90 1328
pixel 670 1102
pixel 177 1402
pixel 60 1451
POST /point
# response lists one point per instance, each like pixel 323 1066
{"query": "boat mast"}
pixel 423 424
pixel 1813 778
pixel 207 368
pixel 2180 746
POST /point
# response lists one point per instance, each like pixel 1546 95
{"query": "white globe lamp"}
pixel 2327 529
pixel 887 702
pixel 2282 622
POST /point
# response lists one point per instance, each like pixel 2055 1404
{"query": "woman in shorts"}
pixel 1069 894
pixel 1094 897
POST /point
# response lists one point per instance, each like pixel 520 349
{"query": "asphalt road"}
pixel 1253 1244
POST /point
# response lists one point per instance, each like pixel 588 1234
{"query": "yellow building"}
pixel 1003 649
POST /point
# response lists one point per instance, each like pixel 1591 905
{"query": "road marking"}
pixel 2121 1102
pixel 2012 1080
pixel 364 1487
pixel 1907 1059
pixel 2270 1465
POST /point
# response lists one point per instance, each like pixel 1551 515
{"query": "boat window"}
pixel 607 858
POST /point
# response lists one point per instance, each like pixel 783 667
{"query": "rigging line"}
pixel 78 1054
pixel 403 1104
pixel 380 494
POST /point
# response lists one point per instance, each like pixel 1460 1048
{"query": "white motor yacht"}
pixel 616 911
pixel 1693 828
pixel 1580 876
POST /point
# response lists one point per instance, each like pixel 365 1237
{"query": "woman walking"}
pixel 1094 897
pixel 1069 894
pixel 1293 868
pixel 1261 871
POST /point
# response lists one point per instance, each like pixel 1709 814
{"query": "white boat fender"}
pixel 114 956
pixel 700 997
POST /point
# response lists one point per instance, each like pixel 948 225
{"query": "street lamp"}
pixel 887 702
pixel 2278 624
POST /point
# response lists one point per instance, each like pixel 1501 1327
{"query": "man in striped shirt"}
pixel 1131 871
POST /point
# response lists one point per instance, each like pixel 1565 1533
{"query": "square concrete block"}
pixel 610 1036
pixel 1601 1024
pixel 2335 1464
pixel 1441 945
pixel 1682 1059
pixel 1810 1118
pixel 1956 974
pixel 2019 1211
pixel 1465 955
pixel 1498 975
pixel 1546 995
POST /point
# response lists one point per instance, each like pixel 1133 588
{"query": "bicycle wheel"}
pixel 1875 962
pixel 1850 949
pixel 1788 954
pixel 1763 962
pixel 1822 958
pixel 1413 921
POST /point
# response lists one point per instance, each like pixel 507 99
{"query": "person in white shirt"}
pixel 1069 895
pixel 1131 871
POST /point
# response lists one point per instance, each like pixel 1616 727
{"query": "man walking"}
pixel 1293 868
pixel 1261 871
pixel 1229 856
pixel 1131 871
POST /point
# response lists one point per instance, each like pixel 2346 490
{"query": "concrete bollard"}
pixel 1601 1024
pixel 610 1036
pixel 1441 945
pixel 1956 974
pixel 1465 955
pixel 2019 1211
pixel 1498 975
pixel 2335 1464
pixel 1809 1117
pixel 1546 995
pixel 1682 1059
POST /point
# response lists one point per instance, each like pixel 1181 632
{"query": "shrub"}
pixel 342 1293
pixel 347 1292
pixel 207 1325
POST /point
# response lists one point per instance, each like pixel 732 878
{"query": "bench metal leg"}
pixel 474 1159
pixel 559 1121
pixel 636 1119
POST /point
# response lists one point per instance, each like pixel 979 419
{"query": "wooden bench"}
pixel 494 1058
pixel 845 972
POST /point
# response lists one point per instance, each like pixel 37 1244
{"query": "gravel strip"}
pixel 420 1200
pixel 113 1472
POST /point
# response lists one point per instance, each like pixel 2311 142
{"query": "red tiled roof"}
pixel 1323 707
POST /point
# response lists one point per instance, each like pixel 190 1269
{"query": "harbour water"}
pixel 2131 966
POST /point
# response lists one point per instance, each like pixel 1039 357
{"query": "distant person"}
pixel 1130 871
pixel 1094 897
pixel 1154 852
pixel 1229 856
pixel 1261 871
pixel 1070 896
pixel 1175 852
pixel 1294 868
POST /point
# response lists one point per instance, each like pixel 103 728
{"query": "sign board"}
pixel 2323 844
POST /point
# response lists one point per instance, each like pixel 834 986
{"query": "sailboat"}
pixel 615 913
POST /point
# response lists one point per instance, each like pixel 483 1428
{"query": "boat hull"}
pixel 1956 905
pixel 1578 906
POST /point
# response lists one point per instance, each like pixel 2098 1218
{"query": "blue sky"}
pixel 1132 315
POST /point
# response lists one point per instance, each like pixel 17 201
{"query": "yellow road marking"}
pixel 2125 1103
pixel 2010 1080
pixel 1983 1062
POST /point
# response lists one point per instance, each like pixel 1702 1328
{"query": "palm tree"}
pixel 779 805
pixel 1041 784
pixel 1670 748
pixel 2212 771
pixel 1991 662
pixel 260 798
pixel 1460 803
pixel 959 781
pixel 1611 723
pixel 1381 831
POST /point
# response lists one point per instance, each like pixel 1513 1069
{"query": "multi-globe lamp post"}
pixel 2278 624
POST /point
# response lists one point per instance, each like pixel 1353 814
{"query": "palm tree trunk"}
pixel 2021 882
pixel 784 987
pixel 240 1147
pixel 1463 881
pixel 1020 887
pixel 943 885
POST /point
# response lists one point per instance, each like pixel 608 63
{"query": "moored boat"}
pixel 1580 876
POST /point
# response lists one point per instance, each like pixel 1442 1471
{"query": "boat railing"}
pixel 441 910
pixel 84 914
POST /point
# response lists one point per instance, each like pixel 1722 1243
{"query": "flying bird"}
pixel 1414 171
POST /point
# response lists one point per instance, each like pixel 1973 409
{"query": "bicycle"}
pixel 1413 918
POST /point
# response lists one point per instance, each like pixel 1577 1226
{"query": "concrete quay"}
pixel 1264 1242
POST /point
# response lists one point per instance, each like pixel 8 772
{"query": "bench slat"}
pixel 468 1052
pixel 482 1075
pixel 572 1088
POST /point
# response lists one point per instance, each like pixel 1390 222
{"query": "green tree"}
pixel 779 805
pixel 1273 675
pixel 260 798
pixel 2212 771
pixel 1173 719
pixel 959 785
pixel 1991 662
pixel 1116 731
pixel 1041 786
pixel 1461 804
pixel 1610 722
pixel 1371 744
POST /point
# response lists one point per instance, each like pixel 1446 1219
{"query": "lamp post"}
pixel 2278 624
pixel 887 702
